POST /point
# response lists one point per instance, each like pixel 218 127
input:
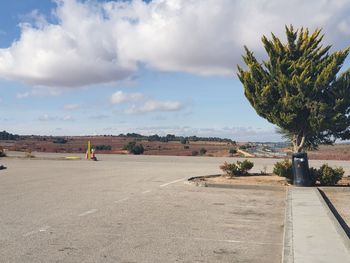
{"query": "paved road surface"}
pixel 133 209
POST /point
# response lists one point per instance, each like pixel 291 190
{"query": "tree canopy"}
pixel 300 88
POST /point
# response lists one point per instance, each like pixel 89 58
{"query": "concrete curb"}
pixel 192 181
pixel 287 249
pixel 338 222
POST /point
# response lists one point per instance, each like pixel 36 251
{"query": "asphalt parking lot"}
pixel 133 209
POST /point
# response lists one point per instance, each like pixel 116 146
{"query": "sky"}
pixel 74 67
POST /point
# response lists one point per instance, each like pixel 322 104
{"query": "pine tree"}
pixel 299 88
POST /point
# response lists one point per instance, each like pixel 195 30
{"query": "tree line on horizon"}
pixel 155 137
pixel 172 137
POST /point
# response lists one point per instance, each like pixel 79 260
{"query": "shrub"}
pixel 245 166
pixel 230 169
pixel 194 153
pixel 129 146
pixel 328 175
pixel 183 141
pixel 284 168
pixel 137 149
pixel 134 148
pixel 237 169
pixel 233 151
pixel 103 147
pixel 202 151
pixel 60 140
pixel 314 175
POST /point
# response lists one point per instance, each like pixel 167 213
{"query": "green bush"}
pixel 314 175
pixel 230 169
pixel 202 151
pixel 134 148
pixel 60 140
pixel 137 149
pixel 183 141
pixel 284 169
pixel 233 151
pixel 238 168
pixel 245 166
pixel 103 147
pixel 328 175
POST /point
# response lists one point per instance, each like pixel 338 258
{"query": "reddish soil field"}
pixel 79 145
pixel 329 152
pixel 217 149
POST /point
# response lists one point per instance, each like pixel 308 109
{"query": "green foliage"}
pixel 299 88
pixel 284 169
pixel 202 151
pixel 233 151
pixel 129 146
pixel 327 175
pixel 245 166
pixel 183 141
pixel 171 137
pixel 134 148
pixel 103 147
pixel 60 140
pixel 314 175
pixel 237 169
pixel 138 149
pixel 230 169
pixel 8 136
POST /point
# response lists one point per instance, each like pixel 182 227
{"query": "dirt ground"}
pixel 340 200
pixel 250 180
pixel 257 179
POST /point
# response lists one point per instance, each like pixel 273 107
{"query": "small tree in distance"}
pixel 299 88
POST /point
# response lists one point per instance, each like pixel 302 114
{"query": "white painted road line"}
pixel 43 229
pixel 89 212
pixel 145 192
pixel 121 200
pixel 173 182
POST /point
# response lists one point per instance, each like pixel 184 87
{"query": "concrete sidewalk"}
pixel 312 233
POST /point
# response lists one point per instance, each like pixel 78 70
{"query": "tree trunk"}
pixel 298 142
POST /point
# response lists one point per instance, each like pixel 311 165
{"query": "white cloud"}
pixel 99 117
pixel 122 97
pixel 68 118
pixel 143 104
pixel 39 92
pixel 71 106
pixel 22 95
pixel 153 106
pixel 99 42
pixel 47 118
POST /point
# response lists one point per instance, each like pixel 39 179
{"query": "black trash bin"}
pixel 301 175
